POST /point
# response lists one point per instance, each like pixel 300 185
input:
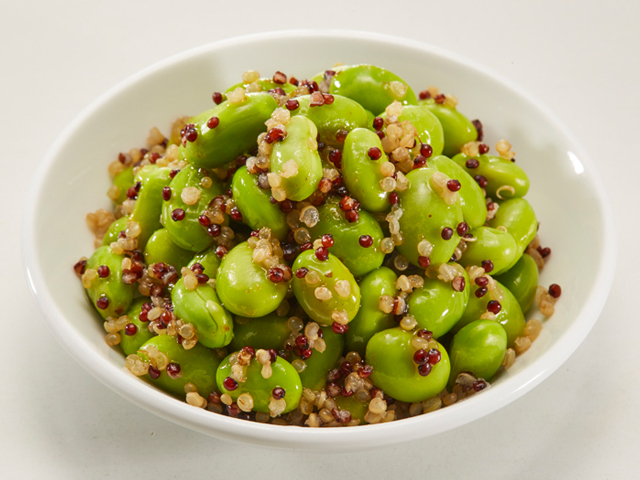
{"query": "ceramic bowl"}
pixel 569 201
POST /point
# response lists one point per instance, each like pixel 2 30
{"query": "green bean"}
pixel 314 376
pixel 491 244
pixel 114 230
pixel 346 235
pixel 261 389
pixel 457 128
pixel 209 260
pixel 522 281
pixel 131 343
pixel 391 354
pixel 372 87
pixel 356 408
pixel 160 248
pixel 361 173
pixel 300 147
pixel 181 219
pixel 502 175
pixel 370 319
pixel 197 366
pixel 148 206
pixel 270 331
pixel 201 307
pixel 437 307
pixel 123 180
pixel 243 285
pixel 510 315
pixel 427 125
pixel 332 120
pixel 108 293
pixel 255 205
pixel 478 348
pixel 319 293
pixel 265 84
pixel 425 217
pixel 472 201
pixel 234 133
pixel 517 216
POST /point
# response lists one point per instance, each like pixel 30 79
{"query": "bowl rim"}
pixel 329 439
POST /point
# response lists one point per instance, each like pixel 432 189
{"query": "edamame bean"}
pixel 425 216
pixel 181 219
pixel 244 287
pixel 478 348
pixel 235 131
pixel 491 244
pixel 361 172
pixel 502 175
pixel 391 354
pixel 270 331
pixel 108 293
pixel 370 319
pixel 209 260
pixel 472 201
pixel 148 206
pixel 372 87
pixel 160 248
pixel 346 235
pixel 328 292
pixel 510 315
pixel 522 281
pixel 300 179
pixel 201 308
pixel 357 409
pixel 123 180
pixel 261 389
pixel 457 129
pixel 114 230
pixel 516 215
pixel 343 115
pixel 265 85
pixel 314 376
pixel 437 307
pixel 427 125
pixel 131 343
pixel 255 205
pixel 197 365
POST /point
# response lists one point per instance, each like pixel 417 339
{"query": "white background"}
pixel 580 58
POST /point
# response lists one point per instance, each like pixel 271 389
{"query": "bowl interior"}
pixel 73 180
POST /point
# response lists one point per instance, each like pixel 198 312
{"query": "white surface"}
pixel 560 172
pixel 579 58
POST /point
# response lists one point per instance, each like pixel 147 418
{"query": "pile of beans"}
pixel 323 252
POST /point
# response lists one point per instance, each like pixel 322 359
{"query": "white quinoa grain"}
pixel 340 316
pixel 190 195
pixel 533 328
pixel 408 322
pixel 245 402
pixel 509 358
pixel 236 96
pixel 323 294
pixel 343 288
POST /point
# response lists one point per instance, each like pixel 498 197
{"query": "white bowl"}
pixel 575 216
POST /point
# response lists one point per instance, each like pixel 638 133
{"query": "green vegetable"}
pixel 370 319
pixel 243 286
pixel 478 348
pixel 391 354
pixel 109 294
pixel 239 124
pixel 197 365
pixel 261 389
pixel 343 300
